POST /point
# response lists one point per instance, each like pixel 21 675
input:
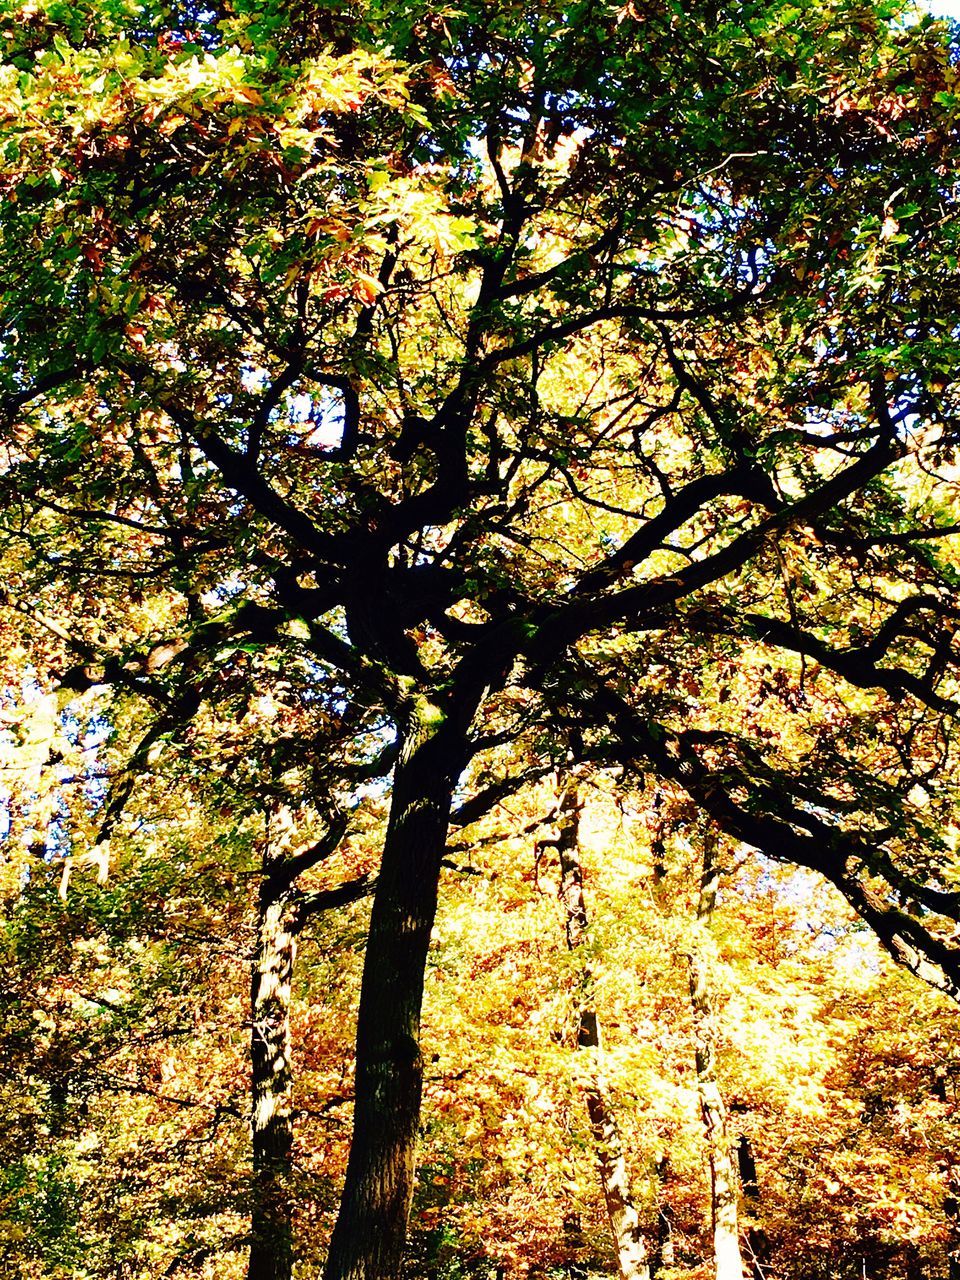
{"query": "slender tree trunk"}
pixel 723 1171
pixel 370 1231
pixel 758 1246
pixel 665 1251
pixel 628 1238
pixel 271 1246
pixel 283 911
pixel 748 1169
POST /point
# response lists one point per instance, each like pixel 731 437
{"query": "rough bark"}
pixel 728 1260
pixel 283 911
pixel 370 1231
pixel 271 1245
pixel 628 1236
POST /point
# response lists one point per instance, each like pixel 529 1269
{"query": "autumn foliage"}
pixel 478 641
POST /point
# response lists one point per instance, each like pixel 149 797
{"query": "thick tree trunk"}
pixel 628 1237
pixel 370 1231
pixel 723 1171
pixel 271 1246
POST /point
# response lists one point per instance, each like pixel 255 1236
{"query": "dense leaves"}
pixel 398 404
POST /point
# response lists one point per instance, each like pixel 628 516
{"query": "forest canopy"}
pixel 487 475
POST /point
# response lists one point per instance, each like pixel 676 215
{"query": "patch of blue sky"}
pixel 325 412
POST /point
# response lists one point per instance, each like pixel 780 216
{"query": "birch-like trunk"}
pixel 271 1244
pixel 628 1236
pixel 724 1182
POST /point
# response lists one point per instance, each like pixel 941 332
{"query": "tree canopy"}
pixel 401 405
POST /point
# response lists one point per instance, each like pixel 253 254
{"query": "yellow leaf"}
pixel 366 286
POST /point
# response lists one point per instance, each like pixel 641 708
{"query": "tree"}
pixel 485 363
pixel 724 1177
pixel 839 1071
pixel 632 1254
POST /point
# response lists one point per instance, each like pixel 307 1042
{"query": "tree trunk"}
pixel 628 1237
pixel 666 1257
pixel 370 1231
pixel 758 1246
pixel 748 1168
pixel 723 1171
pixel 271 1245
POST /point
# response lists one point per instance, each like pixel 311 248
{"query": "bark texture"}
pixel 724 1182
pixel 283 911
pixel 628 1237
pixel 271 1244
pixel 370 1231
